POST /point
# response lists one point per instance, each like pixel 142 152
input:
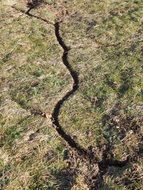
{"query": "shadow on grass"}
pixel 65 178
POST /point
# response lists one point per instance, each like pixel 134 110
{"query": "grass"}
pixel 107 51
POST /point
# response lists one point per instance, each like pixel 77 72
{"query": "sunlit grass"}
pixel 106 50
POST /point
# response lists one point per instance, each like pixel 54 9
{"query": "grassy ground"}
pixel 106 40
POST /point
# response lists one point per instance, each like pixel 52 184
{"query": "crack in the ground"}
pixel 55 119
pixel 88 154
pixel 57 108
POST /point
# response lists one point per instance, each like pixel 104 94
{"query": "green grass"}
pixel 107 51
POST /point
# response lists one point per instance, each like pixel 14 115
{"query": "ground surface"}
pixel 106 41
